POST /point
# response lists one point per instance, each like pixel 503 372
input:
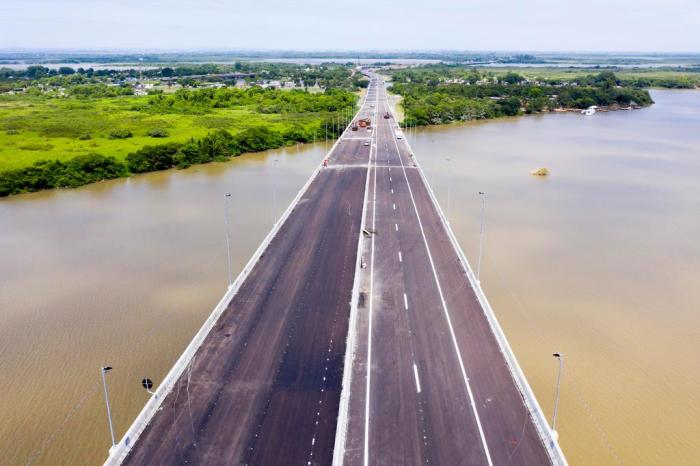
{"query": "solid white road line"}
pixel 415 372
pixel 447 313
pixel 405 302
pixel 371 299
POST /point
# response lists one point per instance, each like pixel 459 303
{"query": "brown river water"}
pixel 599 261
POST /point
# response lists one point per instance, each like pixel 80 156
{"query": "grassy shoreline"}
pixel 48 142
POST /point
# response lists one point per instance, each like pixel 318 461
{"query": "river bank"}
pixel 48 141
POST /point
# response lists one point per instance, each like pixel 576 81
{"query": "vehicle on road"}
pixel 366 143
pixel 387 115
pixel 399 134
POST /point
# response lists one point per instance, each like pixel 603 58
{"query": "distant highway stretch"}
pixel 356 337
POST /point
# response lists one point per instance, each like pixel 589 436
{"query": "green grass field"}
pixel 38 128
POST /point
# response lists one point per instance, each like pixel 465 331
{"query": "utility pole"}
pixel 104 371
pixel 560 357
pixel 482 194
pixel 228 245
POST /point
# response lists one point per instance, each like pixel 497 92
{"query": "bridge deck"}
pixel 265 386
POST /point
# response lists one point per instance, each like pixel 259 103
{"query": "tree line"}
pixel 218 145
pixel 428 102
pixel 329 75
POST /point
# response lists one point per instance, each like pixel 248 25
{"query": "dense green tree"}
pixel 513 78
pixel 509 106
pixel 49 174
pixel 37 71
pixel 152 158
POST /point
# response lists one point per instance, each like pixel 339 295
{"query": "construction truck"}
pixel 364 122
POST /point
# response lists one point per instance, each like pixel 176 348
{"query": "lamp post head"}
pixel 228 194
pixel 106 369
pixel 482 193
pixel 147 384
pixel 558 355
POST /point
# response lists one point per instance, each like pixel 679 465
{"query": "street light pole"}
pixel 482 194
pixel 104 371
pixel 228 243
pixel 560 357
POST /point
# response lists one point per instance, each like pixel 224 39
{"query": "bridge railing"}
pixel 118 453
pixel 540 420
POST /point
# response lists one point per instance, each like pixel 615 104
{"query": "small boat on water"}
pixel 590 110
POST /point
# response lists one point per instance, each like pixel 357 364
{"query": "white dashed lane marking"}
pixel 415 372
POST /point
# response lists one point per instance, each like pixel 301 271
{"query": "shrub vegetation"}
pixel 429 98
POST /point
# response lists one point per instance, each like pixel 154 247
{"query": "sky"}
pixel 514 25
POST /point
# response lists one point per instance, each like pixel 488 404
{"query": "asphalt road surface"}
pixel 429 383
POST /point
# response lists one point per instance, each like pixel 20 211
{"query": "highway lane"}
pixel 264 387
pixel 508 430
pixel 438 390
pixel 411 342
